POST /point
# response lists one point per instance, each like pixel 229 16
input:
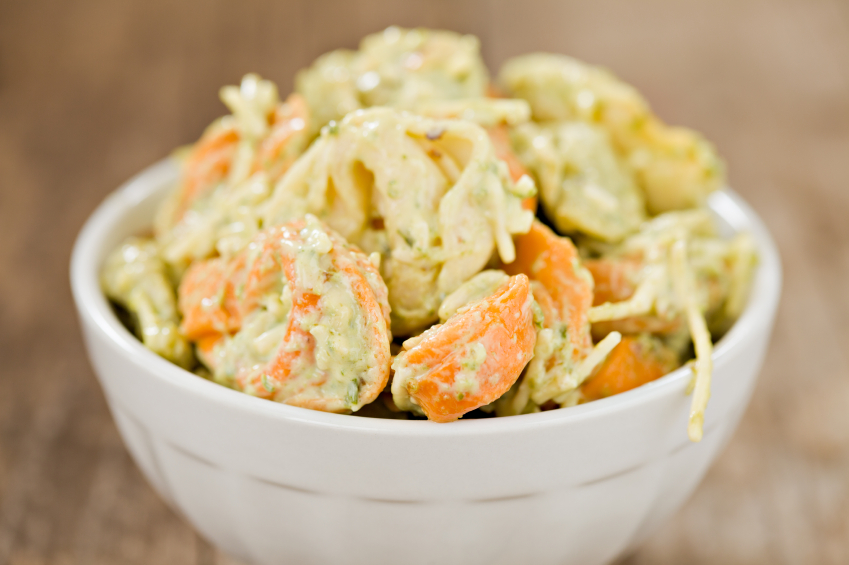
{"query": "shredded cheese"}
pixel 684 292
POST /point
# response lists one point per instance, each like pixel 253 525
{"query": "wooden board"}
pixel 91 91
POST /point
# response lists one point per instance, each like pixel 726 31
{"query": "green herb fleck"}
pixel 353 392
pixel 392 191
pixel 407 237
pixel 538 316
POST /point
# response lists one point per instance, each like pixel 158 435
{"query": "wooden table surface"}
pixel 91 91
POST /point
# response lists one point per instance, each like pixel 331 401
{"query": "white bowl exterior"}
pixel 272 484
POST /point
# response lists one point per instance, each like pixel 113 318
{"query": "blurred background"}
pixel 92 91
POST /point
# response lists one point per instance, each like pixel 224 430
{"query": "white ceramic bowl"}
pixel 272 484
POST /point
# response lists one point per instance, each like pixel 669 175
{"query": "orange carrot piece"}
pixel 632 363
pixel 614 282
pixel 289 119
pixel 208 300
pixel 492 91
pixel 205 347
pixel 504 150
pixel 216 295
pixel 472 359
pixel 553 261
pixel 207 165
pixel 613 279
pixel 550 311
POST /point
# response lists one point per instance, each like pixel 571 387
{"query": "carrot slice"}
pixel 615 282
pixel 632 363
pixel 205 348
pixel 472 359
pixel 211 157
pixel 334 290
pixel 207 165
pixel 614 279
pixel 504 150
pixel 288 120
pixel 208 297
pixel 553 261
pixel 550 311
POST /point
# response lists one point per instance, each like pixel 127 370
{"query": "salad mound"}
pixel 402 237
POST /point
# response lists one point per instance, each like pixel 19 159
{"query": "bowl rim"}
pixel 95 312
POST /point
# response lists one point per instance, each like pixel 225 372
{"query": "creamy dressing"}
pixel 135 277
pixel 486 112
pixel 444 202
pixel 475 354
pixel 676 167
pixel 584 186
pixel 477 288
pixel 337 356
pixel 223 219
pixel 398 67
pixel 721 269
pixel 426 198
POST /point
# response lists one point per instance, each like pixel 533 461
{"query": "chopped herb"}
pixel 392 191
pixel 353 392
pixel 539 317
pixel 407 237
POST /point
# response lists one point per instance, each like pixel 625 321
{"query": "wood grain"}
pixel 91 91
